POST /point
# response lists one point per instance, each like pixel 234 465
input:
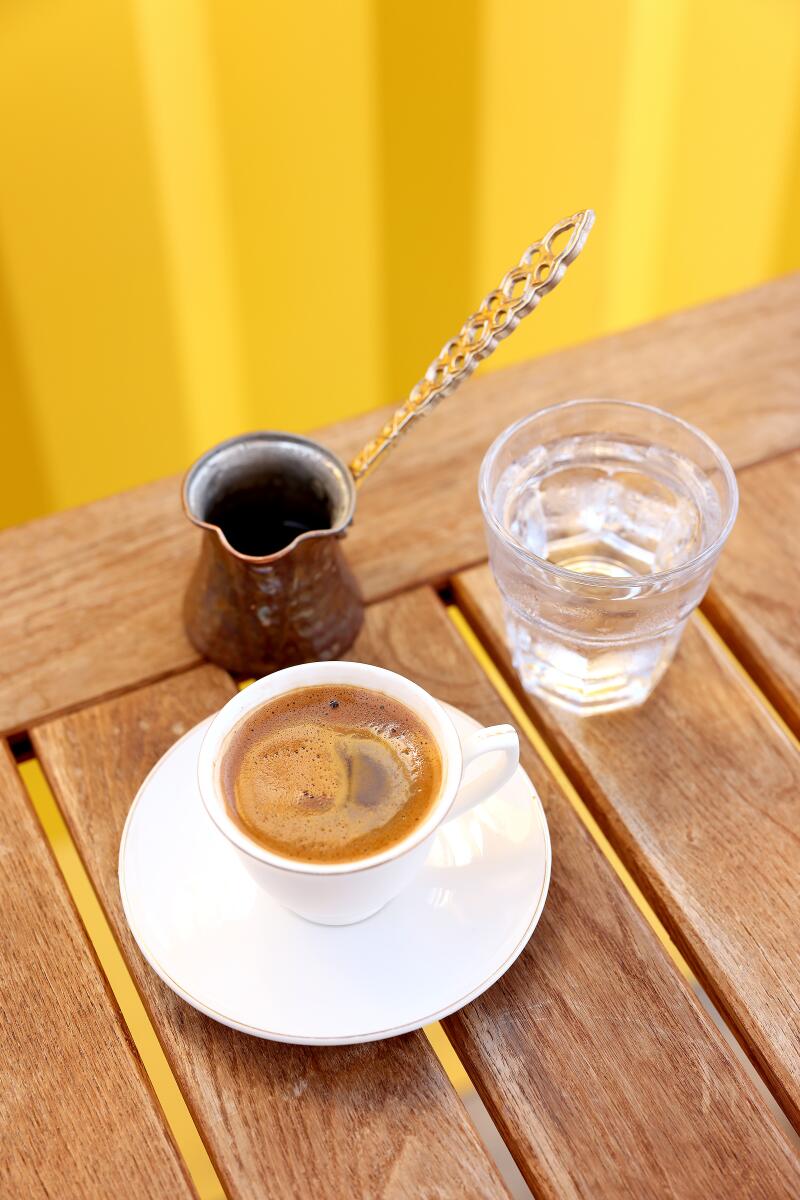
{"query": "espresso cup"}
pixel 346 892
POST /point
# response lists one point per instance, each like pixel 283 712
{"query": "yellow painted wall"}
pixel 220 216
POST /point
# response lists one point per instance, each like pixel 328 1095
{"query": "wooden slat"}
pixel 90 599
pixel 699 790
pixel 598 1066
pixel 754 599
pixel 279 1121
pixel 90 602
pixel 77 1118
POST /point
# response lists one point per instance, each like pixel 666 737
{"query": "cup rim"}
pixel 309 675
pixel 691 565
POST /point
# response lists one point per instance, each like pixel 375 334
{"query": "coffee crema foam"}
pixel 330 774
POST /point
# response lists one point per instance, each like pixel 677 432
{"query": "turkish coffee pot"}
pixel 272 586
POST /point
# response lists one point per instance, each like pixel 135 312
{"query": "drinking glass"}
pixel 604 521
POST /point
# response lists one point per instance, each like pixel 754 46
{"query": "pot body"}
pixel 253 618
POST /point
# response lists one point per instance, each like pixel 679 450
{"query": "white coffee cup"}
pixel 342 893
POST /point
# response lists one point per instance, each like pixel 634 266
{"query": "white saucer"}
pixel 225 947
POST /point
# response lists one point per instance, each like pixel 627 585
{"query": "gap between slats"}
pixel 536 737
pixel 177 1115
pixel 738 655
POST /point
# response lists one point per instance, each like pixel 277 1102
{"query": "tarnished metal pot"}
pixel 271 587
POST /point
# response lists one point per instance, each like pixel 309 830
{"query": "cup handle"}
pixel 497 739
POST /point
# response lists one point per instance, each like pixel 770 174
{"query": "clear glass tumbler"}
pixel 604 521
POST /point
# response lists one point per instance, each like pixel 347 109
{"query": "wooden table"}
pixel 602 1072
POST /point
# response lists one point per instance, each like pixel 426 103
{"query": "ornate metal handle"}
pixel 540 269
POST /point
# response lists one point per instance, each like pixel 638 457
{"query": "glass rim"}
pixel 604 581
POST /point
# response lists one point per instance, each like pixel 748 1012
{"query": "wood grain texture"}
pixel 603 1074
pixel 90 599
pixel 90 602
pixel 699 791
pixel 373 1121
pixel 77 1118
pixel 754 599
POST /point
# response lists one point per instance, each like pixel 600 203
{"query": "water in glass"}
pixel 602 506
pixel 622 520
